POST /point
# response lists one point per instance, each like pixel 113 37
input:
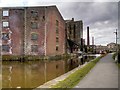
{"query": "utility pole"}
pixel 116 39
pixel 93 45
pixel 88 40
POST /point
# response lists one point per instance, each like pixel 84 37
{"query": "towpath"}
pixel 103 75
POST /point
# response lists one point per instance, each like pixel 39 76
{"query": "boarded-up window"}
pixel 5 36
pixel 56 48
pixel 57 39
pixel 34 14
pixel 5 13
pixel 34 36
pixel 34 48
pixel 57 23
pixel 57 30
pixel 5 24
pixel 5 48
pixel 34 25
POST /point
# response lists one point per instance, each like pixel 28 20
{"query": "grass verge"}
pixel 78 75
pixel 118 65
pixel 114 55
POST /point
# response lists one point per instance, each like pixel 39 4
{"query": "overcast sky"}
pixel 101 17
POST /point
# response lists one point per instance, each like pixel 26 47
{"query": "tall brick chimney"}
pixel 92 40
pixel 72 19
pixel 88 40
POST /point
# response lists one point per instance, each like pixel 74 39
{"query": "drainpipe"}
pixel 45 30
pixel 24 46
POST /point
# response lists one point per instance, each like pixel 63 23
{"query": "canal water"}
pixel 33 74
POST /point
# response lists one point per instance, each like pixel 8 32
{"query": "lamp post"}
pixel 116 39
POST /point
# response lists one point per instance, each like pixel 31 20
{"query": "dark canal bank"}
pixel 35 73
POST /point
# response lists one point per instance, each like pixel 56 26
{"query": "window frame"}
pixel 34 37
pixel 34 14
pixel 34 25
pixel 57 39
pixel 5 22
pixel 5 13
pixel 6 50
pixel 57 23
pixel 57 48
pixel 57 30
pixel 7 37
pixel 34 48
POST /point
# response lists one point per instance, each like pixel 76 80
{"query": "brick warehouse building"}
pixel 74 36
pixel 32 31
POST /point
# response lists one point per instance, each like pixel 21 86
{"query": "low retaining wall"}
pixel 35 58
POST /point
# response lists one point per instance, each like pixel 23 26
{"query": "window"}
pixel 34 14
pixel 5 13
pixel 5 36
pixel 34 36
pixel 57 39
pixel 34 25
pixel 5 24
pixel 43 17
pixel 57 23
pixel 57 31
pixel 34 48
pixel 56 48
pixel 5 48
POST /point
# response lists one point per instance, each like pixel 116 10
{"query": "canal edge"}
pixel 60 78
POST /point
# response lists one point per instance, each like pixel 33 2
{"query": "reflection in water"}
pixel 33 74
pixel 0 74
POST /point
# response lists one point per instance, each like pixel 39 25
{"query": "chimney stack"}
pixel 72 19
pixel 88 40
pixel 92 40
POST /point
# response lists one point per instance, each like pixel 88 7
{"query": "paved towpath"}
pixel 103 75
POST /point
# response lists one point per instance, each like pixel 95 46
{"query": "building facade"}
pixel 101 49
pixel 74 35
pixel 112 46
pixel 32 31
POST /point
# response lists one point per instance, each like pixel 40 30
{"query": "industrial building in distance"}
pixel 74 35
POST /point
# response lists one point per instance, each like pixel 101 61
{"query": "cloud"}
pixel 102 17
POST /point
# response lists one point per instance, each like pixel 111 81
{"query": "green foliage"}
pixel 114 55
pixel 78 75
pixel 119 65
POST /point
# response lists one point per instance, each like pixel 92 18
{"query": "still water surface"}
pixel 33 74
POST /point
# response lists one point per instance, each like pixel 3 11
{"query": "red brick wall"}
pixel 0 30
pixel 39 31
pixel 50 14
pixel 20 25
pixel 16 27
pixel 53 15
